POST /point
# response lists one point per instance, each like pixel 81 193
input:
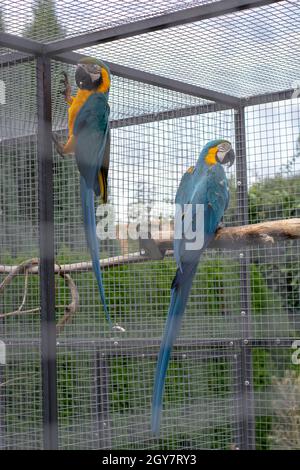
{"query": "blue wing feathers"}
pixel 93 114
pixel 88 209
pixel 180 290
pixel 208 187
pixel 91 130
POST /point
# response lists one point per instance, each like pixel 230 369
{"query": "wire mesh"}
pixel 20 384
pixel 243 54
pixel 66 19
pixel 233 380
pixel 147 161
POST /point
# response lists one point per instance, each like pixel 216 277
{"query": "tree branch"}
pixel 265 233
pixel 29 267
pixel 262 233
pixel 73 306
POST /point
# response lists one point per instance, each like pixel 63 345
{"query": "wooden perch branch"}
pixel 234 237
pixel 265 233
pixel 81 266
pixel 27 268
pixel 70 309
pixel 262 233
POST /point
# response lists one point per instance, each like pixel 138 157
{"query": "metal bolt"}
pixel 241 255
pixel 243 313
pixel 183 356
pixel 57 343
pixel 246 341
pixel 116 343
pixel 247 383
pixel 143 355
pixel 231 343
pixel 239 183
pixel 277 341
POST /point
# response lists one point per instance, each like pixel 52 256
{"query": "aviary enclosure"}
pixel 183 72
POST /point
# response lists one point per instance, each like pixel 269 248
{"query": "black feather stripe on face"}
pixel 84 81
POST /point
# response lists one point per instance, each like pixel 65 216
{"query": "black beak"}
pixel 229 158
pixel 82 79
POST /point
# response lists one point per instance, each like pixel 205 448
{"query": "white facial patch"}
pixel 223 149
pixel 94 70
pixel 221 155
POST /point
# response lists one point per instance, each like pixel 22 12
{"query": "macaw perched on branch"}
pixel 89 139
pixel 204 184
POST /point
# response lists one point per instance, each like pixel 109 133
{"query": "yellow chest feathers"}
pixel 81 97
pixel 210 158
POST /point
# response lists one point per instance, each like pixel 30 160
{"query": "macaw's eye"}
pixel 224 147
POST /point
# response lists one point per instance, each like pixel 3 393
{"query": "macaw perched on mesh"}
pixel 89 139
pixel 205 184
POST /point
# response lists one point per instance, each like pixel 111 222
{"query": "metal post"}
pixel 102 401
pixel 2 408
pixel 3 392
pixel 46 233
pixel 247 394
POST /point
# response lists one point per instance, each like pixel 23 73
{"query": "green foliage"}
pixel 289 168
pixel 286 425
pixel 271 198
pixel 70 386
pixel 262 367
pixel 134 304
pixel 276 381
pixel 45 23
pixel 263 427
pixel 2 26
pixel 130 392
pixel 139 295
pixel 274 198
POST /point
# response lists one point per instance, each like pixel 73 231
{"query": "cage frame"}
pixel 63 50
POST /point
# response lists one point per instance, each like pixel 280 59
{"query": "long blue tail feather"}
pixel 89 219
pixel 181 287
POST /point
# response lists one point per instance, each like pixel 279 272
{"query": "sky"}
pixel 272 129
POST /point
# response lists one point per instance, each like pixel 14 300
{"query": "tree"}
pixel 298 147
pixel 45 24
pixel 2 27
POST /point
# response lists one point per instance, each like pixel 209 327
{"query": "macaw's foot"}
pixel 221 225
pixel 66 91
pixel 59 147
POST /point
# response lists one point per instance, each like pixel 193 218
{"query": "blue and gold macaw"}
pixel 204 184
pixel 89 140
